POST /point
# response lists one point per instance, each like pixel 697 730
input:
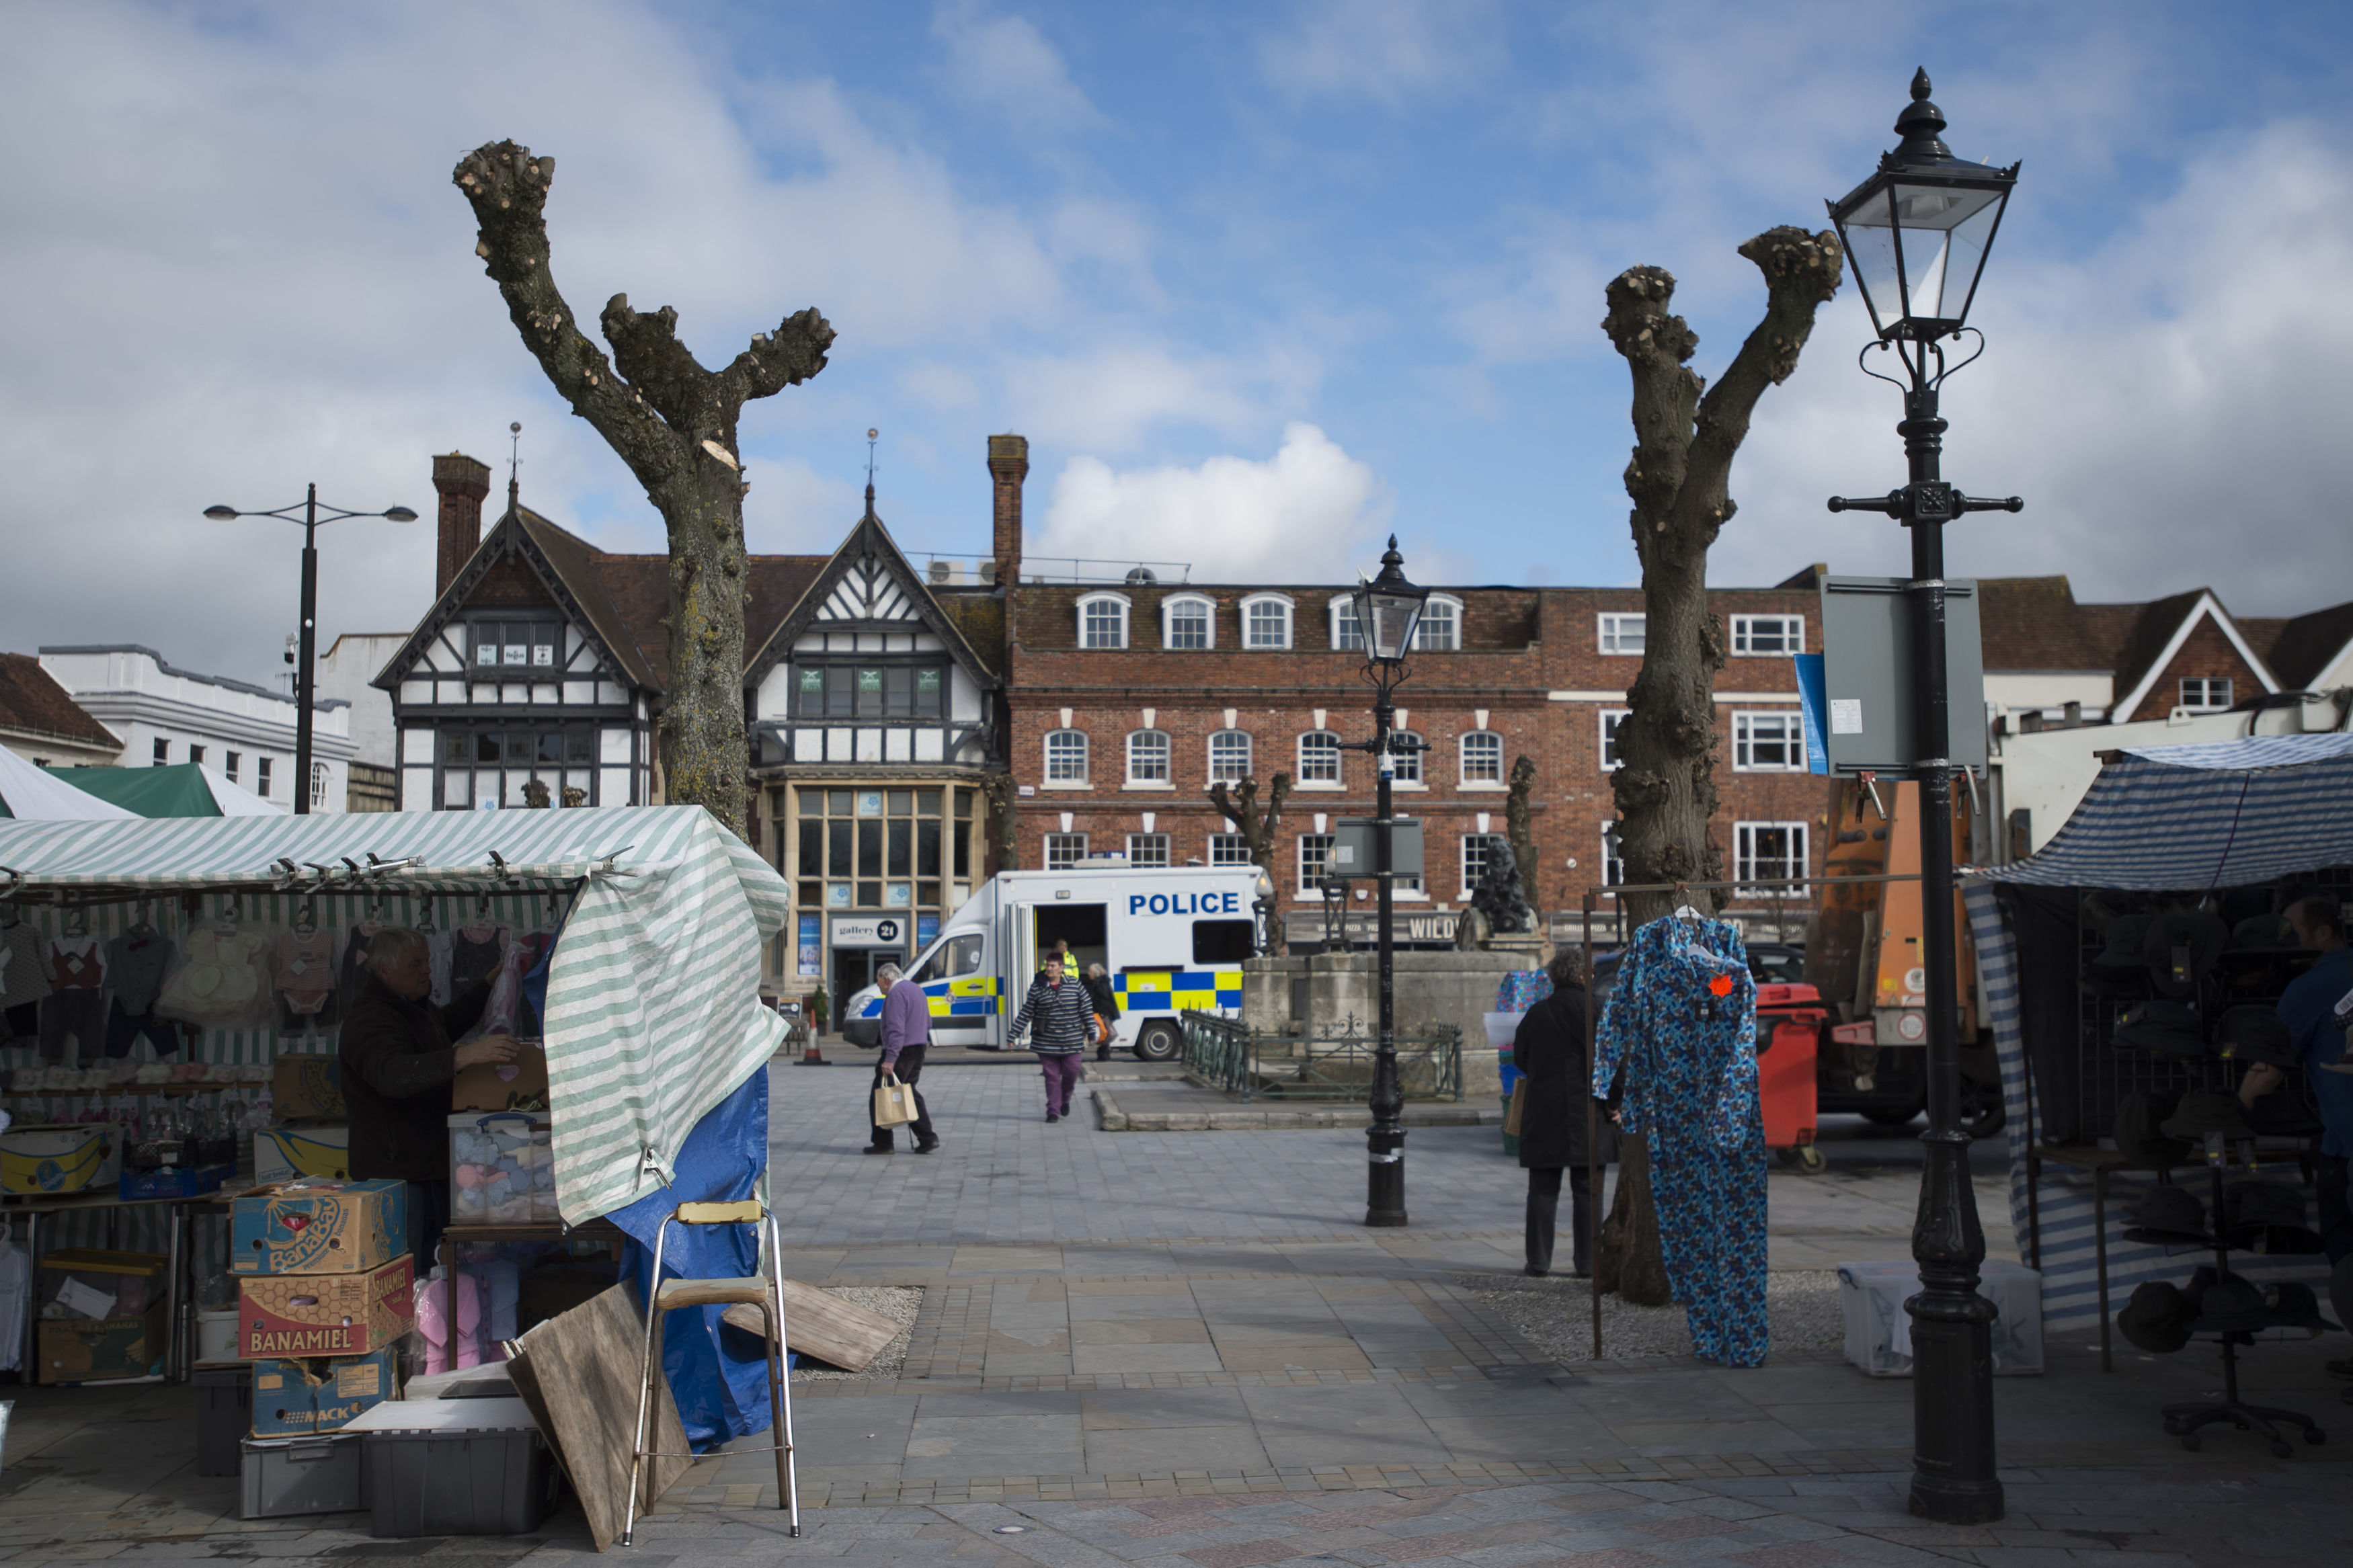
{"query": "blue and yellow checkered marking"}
pixel 1147 991
pixel 967 997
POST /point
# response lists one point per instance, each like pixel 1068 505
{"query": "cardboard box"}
pixel 308 1085
pixel 283 1154
pixel 90 1350
pixel 314 1227
pixel 291 1315
pixel 294 1397
pixel 518 1085
pixel 70 1157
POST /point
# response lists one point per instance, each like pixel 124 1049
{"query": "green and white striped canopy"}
pixel 653 1002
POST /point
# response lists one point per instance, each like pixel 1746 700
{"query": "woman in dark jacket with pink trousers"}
pixel 1549 1049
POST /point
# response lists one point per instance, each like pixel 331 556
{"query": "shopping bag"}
pixel 1512 1112
pixel 1103 1030
pixel 894 1103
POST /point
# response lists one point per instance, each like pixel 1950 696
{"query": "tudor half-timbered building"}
pixel 541 661
pixel 877 720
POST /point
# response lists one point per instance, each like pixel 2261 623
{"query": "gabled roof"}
pixel 620 601
pixel 31 701
pixel 2158 635
pixel 2304 649
pixel 870 539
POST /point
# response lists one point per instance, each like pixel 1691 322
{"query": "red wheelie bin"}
pixel 1788 1024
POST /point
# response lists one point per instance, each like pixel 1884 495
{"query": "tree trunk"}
pixel 1628 1259
pixel 1685 436
pixel 1257 828
pixel 674 424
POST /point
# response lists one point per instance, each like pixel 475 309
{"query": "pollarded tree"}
pixel 673 423
pixel 1685 435
pixel 1256 824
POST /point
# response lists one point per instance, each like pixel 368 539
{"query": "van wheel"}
pixel 1158 1042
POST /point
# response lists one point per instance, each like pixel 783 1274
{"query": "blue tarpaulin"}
pixel 721 1395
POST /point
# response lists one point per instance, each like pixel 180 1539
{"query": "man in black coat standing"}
pixel 1549 1049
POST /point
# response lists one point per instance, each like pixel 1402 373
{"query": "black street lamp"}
pixel 1918 231
pixel 1389 609
pixel 310 519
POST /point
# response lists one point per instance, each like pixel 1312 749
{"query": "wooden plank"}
pixel 582 1370
pixel 833 1330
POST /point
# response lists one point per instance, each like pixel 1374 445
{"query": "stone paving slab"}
pixel 1169 1108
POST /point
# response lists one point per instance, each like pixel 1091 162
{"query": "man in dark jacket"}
pixel 1549 1049
pixel 398 1063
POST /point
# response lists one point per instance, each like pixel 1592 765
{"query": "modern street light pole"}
pixel 1918 232
pixel 1388 608
pixel 308 639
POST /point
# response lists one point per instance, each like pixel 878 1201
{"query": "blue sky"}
pixel 1260 283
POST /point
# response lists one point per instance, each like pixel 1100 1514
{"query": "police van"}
pixel 1172 940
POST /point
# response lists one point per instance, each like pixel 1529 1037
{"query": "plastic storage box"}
pixel 501 1168
pixel 302 1475
pixel 224 1415
pixel 455 1467
pixel 1879 1331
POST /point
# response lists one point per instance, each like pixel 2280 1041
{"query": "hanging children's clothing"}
pixel 353 968
pixel 24 978
pixel 1679 1040
pixel 136 963
pixel 475 952
pixel 75 1007
pixel 304 971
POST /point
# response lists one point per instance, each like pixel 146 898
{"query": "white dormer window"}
pixel 2206 694
pixel 1189 621
pixel 1346 634
pixel 1266 621
pixel 1102 620
pixel 1439 631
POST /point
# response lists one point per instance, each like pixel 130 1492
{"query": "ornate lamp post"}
pixel 310 519
pixel 1389 609
pixel 1918 231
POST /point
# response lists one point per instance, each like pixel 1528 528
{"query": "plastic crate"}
pixel 285 1476
pixel 455 1467
pixel 223 1416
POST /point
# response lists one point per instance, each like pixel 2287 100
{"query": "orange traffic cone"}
pixel 810 1056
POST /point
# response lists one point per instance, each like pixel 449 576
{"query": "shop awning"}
pixel 653 1007
pixel 29 794
pixel 2191 817
pixel 181 789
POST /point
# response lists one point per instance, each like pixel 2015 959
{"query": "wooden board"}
pixel 836 1331
pixel 578 1374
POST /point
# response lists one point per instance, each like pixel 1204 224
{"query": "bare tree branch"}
pixel 508 189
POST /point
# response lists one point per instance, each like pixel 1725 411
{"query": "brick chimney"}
pixel 1008 465
pixel 463 483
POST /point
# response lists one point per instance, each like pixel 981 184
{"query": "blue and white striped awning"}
pixel 653 1001
pixel 2219 816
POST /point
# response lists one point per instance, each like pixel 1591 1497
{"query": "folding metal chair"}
pixel 763 1292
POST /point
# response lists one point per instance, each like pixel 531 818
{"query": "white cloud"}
pixel 1390 51
pixel 2163 405
pixel 1005 65
pixel 1111 397
pixel 1304 515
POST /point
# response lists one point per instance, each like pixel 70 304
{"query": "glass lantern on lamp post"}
pixel 1917 233
pixel 1389 609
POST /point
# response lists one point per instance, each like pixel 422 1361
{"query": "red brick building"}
pixel 1127 699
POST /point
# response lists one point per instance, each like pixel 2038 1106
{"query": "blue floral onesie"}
pixel 1679 1035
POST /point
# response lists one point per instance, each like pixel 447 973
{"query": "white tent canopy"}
pixel 653 1011
pixel 234 799
pixel 33 795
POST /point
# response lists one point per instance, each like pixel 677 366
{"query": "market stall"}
pixel 2204 837
pixel 213 948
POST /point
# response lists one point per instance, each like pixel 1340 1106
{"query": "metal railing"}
pixel 1220 1054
